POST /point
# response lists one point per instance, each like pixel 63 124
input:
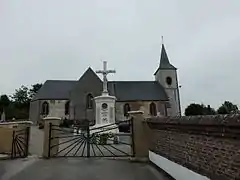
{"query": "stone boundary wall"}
pixel 208 145
pixel 6 134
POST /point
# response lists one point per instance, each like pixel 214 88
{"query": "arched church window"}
pixel 153 109
pixel 45 108
pixel 169 80
pixel 89 101
pixel 67 105
pixel 126 108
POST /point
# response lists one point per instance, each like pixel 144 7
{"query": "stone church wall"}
pixel 208 145
pixel 174 102
pixel 34 111
pixel 89 83
pixel 172 90
pixel 57 108
pixel 138 105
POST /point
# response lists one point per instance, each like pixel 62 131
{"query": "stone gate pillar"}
pixel 50 123
pixel 141 134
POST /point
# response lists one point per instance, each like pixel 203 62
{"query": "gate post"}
pixel 50 123
pixel 27 141
pixel 88 141
pixel 140 135
pixel 13 145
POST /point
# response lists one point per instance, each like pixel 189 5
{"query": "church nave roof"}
pixel 123 90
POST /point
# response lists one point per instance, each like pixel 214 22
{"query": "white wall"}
pixel 171 90
pixel 161 77
pixel 56 108
pixel 175 170
pixel 174 101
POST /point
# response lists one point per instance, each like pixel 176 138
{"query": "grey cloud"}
pixel 59 39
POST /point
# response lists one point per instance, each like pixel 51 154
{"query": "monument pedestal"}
pixel 105 114
pixel 105 109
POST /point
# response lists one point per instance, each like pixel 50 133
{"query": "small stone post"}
pixel 50 123
pixel 140 135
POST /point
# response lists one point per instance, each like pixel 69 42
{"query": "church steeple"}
pixel 166 75
pixel 164 61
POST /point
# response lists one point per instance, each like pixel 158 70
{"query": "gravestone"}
pixel 3 117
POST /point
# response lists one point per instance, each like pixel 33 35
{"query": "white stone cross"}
pixel 105 72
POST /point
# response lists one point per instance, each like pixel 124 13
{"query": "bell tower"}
pixel 166 75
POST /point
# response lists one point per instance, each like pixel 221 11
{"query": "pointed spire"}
pixel 164 61
pixel 164 57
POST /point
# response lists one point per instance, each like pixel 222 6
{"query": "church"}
pixel 74 100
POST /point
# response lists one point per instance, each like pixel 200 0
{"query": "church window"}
pixel 45 108
pixel 126 108
pixel 67 105
pixel 169 80
pixel 153 109
pixel 89 101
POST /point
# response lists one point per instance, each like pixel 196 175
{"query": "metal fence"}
pixel 20 143
pixel 87 141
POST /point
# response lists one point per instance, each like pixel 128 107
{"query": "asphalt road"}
pixel 72 168
pixel 77 168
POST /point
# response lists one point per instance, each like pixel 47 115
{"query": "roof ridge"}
pixel 89 70
pixel 59 80
pixel 132 81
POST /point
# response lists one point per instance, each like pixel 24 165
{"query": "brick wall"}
pixel 208 145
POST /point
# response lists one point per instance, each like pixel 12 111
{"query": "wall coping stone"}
pixel 224 126
pixel 135 112
pixel 17 122
pixel 52 118
pixel 217 120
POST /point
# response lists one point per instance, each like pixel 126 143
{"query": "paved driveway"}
pixel 36 141
pixel 77 168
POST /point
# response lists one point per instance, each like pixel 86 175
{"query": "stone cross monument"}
pixel 105 72
pixel 105 104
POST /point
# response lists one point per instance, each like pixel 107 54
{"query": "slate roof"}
pixel 164 61
pixel 123 90
pixel 55 90
pixel 137 90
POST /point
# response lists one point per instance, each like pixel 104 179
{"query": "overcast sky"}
pixel 60 39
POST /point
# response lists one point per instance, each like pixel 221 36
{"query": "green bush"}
pixel 101 139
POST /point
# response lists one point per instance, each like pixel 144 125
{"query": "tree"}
pixel 4 101
pixel 209 110
pixel 19 106
pixel 199 109
pixel 33 91
pixel 194 109
pixel 227 107
pixel 21 97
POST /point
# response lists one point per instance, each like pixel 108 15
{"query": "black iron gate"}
pixel 20 143
pixel 85 141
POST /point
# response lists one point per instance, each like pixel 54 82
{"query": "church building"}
pixel 74 99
